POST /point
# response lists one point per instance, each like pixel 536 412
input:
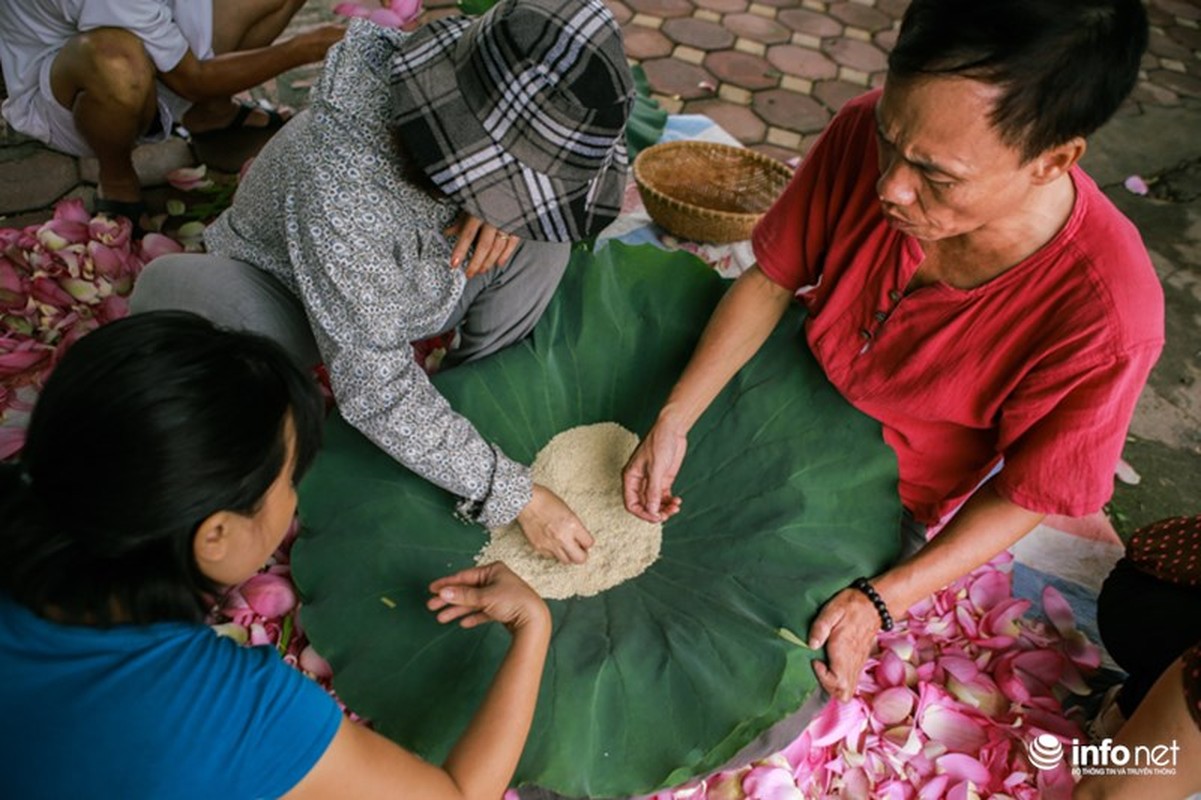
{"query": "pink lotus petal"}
pixel 836 721
pixel 964 790
pixel 113 233
pixel 385 18
pixel 155 245
pixel 770 783
pixel 71 211
pixel 981 693
pixel 511 794
pixel 893 705
pixel 310 661
pixel 726 786
pixel 406 10
pixel 82 290
pixel 962 767
pixel 988 590
pixel 1081 651
pixel 935 788
pixel 269 595
pixel 1136 185
pixel 959 732
pixel 187 179
pixel 57 234
pixel 1044 666
pixel 891 670
pixel 1058 610
pixel 351 10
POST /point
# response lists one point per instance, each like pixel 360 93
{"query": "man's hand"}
pixel 493 247
pixel 653 466
pixel 847 627
pixel 553 529
pixel 491 593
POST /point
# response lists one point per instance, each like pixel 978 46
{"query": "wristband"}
pixel 863 585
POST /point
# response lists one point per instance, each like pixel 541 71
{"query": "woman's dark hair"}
pixel 1063 66
pixel 146 427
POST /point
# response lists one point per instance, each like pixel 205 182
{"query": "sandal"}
pixel 275 120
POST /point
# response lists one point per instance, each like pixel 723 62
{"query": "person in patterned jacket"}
pixel 435 184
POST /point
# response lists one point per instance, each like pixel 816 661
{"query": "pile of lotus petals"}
pixel 58 281
pixel 945 707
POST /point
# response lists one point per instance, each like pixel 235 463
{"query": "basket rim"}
pixel 696 144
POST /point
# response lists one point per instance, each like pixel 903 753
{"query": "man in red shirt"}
pixel 967 285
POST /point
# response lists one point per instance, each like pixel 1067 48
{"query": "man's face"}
pixel 944 171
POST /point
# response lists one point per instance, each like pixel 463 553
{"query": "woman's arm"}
pixel 362 764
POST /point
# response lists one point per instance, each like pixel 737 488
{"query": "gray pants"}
pixel 496 309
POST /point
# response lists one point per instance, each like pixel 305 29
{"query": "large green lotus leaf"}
pixel 788 495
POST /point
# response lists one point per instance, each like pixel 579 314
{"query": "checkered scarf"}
pixel 519 114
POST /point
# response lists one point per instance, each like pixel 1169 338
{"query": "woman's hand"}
pixel 648 475
pixel 491 593
pixel 553 529
pixel 847 627
pixel 493 247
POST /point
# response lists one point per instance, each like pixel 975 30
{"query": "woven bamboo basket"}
pixel 708 192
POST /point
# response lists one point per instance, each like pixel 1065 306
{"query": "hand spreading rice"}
pixel 583 466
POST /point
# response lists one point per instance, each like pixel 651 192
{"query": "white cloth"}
pixel 32 32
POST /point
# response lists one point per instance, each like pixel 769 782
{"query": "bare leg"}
pixel 240 25
pixel 1161 719
pixel 243 25
pixel 107 80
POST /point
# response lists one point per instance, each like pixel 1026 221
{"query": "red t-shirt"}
pixel 1042 365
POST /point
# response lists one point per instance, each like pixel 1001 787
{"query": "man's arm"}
pixel 230 73
pixel 743 320
pixel 847 624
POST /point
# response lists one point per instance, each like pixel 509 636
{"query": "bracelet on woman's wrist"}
pixel 865 586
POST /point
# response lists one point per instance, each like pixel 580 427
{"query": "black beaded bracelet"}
pixel 863 585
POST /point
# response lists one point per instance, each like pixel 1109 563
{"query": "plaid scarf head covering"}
pixel 519 115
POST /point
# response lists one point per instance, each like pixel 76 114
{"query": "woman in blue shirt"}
pixel 159 467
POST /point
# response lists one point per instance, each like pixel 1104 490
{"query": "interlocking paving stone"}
pixel 758 28
pixel 1189 37
pixel 723 6
pixel 1179 8
pixel 742 69
pixel 1155 95
pixel 643 43
pixel 1178 82
pixel 698 33
pixel 1166 47
pixel 621 12
pixel 861 16
pixel 775 151
pixel 739 121
pixel 836 93
pixel 893 8
pixel 785 109
pixel 803 20
pixel 855 54
pixel 672 77
pixel 36 180
pixel 802 62
pixel 886 40
pixel 661 8
pixel 776 3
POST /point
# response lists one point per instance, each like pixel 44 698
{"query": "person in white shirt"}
pixel 97 77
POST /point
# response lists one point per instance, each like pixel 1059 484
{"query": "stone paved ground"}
pixel 773 72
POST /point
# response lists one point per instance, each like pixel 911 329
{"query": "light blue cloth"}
pixel 169 710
